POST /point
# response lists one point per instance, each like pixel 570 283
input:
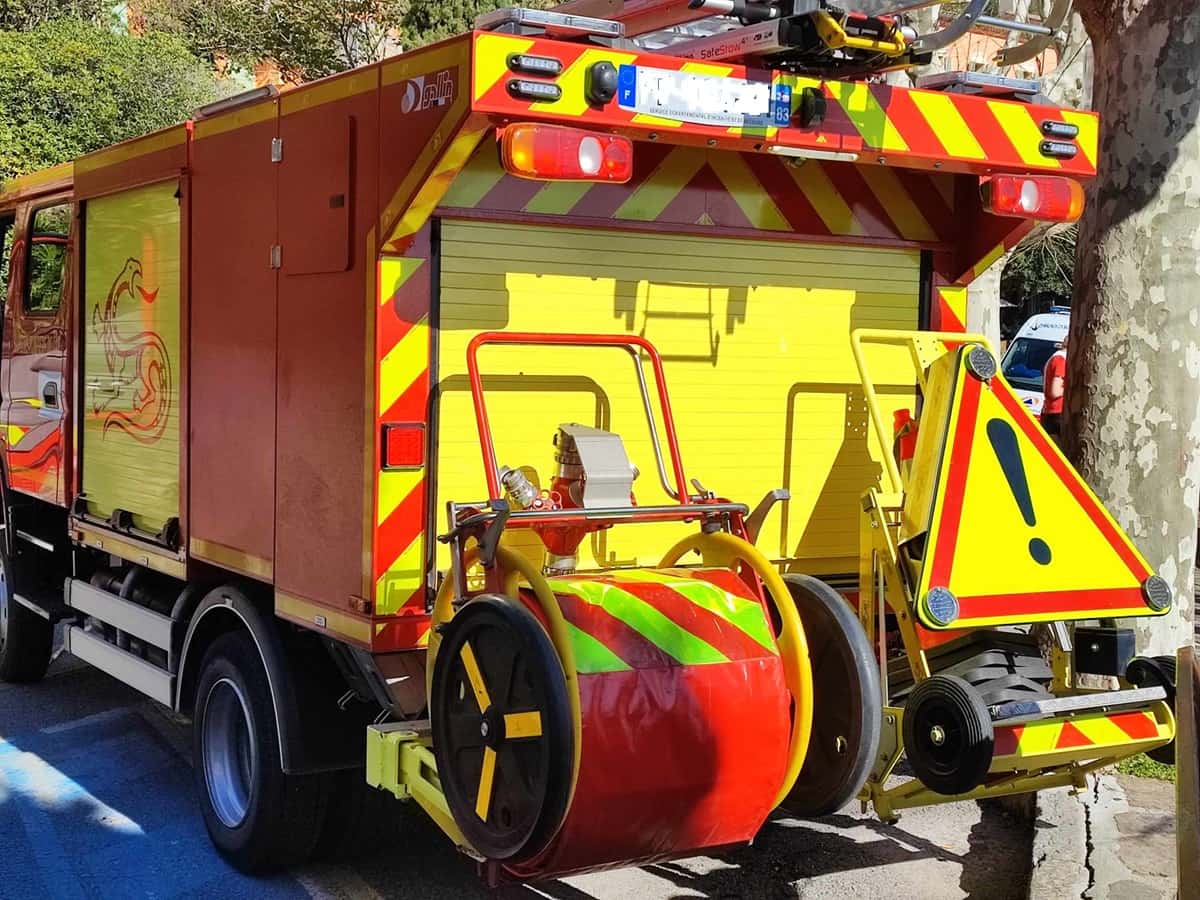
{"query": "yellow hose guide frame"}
pixel 978 526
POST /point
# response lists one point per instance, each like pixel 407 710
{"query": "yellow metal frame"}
pixel 1008 774
pixel 399 760
pixel 835 38
pixel 883 588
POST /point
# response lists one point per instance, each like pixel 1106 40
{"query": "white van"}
pixel 1029 351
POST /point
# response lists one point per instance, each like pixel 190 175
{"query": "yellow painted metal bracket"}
pixel 399 761
pixel 834 36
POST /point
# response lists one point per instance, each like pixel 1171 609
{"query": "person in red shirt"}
pixel 1054 379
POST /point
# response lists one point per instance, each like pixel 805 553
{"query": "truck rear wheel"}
pixel 25 637
pixel 259 817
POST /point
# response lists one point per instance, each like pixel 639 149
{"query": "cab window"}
pixel 47 266
pixel 6 243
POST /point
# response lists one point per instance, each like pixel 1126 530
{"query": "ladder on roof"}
pixel 846 37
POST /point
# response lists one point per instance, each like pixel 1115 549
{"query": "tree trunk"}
pixel 1133 376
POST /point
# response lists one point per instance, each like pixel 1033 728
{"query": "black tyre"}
pixel 1155 671
pixel 948 735
pixel 847 707
pixel 502 729
pixel 25 637
pixel 258 817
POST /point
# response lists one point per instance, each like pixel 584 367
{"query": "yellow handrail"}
pixel 902 338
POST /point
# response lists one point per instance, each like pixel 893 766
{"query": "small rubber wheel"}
pixel 502 728
pixel 847 708
pixel 25 637
pixel 258 817
pixel 1155 671
pixel 948 736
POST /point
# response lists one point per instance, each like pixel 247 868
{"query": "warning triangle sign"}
pixel 1015 535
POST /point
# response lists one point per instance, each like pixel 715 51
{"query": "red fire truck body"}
pixel 237 399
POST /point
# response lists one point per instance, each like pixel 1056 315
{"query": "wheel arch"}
pixel 231 608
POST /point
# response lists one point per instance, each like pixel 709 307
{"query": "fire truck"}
pixel 569 427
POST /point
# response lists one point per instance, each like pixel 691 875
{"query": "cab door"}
pixel 33 409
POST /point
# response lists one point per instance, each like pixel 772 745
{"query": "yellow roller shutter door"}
pixel 755 336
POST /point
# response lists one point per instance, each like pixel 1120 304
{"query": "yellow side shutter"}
pixel 756 339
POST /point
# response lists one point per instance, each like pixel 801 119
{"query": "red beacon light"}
pixel 558 153
pixel 1047 198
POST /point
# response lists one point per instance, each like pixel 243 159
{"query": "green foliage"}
pixel 25 15
pixel 1144 767
pixel 433 20
pixel 1042 264
pixel 67 88
pixel 307 38
pixel 48 257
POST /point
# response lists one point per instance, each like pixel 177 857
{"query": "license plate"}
pixel 703 99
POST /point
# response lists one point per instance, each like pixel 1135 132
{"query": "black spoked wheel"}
pixel 502 729
pixel 948 735
pixel 1155 671
pixel 847 709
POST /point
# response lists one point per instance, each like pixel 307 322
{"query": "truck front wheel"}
pixel 259 817
pixel 24 635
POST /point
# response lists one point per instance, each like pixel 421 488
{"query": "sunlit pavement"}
pixel 97 801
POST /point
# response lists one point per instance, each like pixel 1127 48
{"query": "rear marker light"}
pixel 1058 149
pixel 404 446
pixel 1046 198
pixel 535 90
pixel 534 65
pixel 1053 129
pixel 558 153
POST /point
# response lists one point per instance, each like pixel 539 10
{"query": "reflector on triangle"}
pixel 1009 529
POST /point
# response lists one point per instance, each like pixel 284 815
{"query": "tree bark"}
pixel 1133 376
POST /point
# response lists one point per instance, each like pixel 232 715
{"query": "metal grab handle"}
pixel 630 343
pixel 1035 46
pixel 896 338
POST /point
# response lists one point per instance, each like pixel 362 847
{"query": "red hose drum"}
pixel 686 718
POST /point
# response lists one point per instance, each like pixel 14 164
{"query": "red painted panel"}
pixel 232 433
pixel 326 434
pixel 700 751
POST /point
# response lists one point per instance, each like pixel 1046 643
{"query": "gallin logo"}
pixel 426 91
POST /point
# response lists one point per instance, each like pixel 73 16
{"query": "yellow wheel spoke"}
pixel 523 725
pixel 476 678
pixel 483 801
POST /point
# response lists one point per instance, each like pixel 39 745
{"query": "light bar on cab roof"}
pixel 559 153
pixel 1046 198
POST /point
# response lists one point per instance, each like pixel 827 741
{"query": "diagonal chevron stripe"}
pixel 403 364
pixel 677 643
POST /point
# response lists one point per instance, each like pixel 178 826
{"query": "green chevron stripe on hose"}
pixel 682 646
pixel 591 656
pixel 744 614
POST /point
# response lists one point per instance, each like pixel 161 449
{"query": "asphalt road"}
pixel 96 801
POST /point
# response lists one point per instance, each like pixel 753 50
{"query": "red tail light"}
pixel 556 153
pixel 1046 198
pixel 404 446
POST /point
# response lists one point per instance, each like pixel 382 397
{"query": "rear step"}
pixel 130 621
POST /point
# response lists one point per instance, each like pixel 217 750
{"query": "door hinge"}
pixel 276 150
pixel 276 256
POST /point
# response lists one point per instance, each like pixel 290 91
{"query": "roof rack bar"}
pixel 1014 25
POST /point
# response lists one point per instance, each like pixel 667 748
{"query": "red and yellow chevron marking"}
pixel 402 347
pixel 694 186
pixel 648 619
pixel 1091 736
pixel 884 125
pixel 951 311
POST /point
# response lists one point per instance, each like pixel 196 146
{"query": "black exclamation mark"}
pixel 1004 443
